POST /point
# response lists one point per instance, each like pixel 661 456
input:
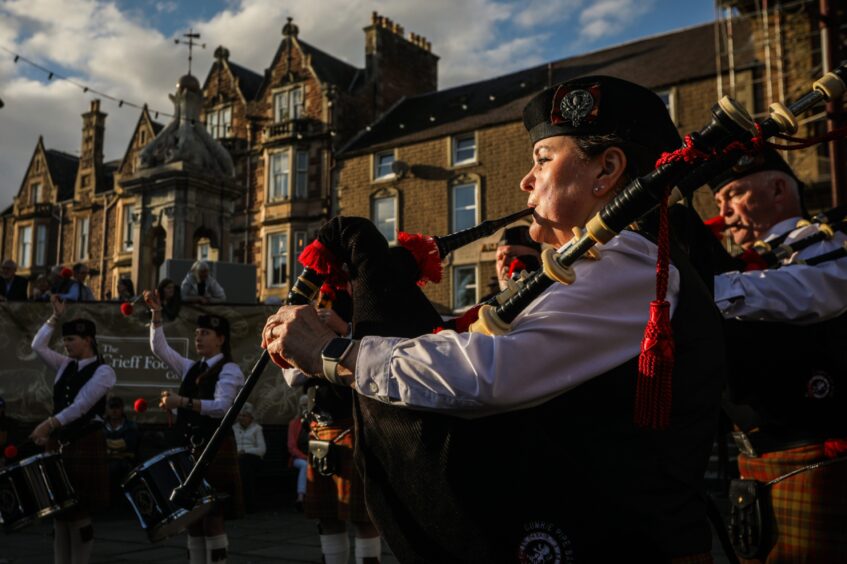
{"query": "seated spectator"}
pixel 121 443
pixel 126 291
pixel 198 286
pixel 250 444
pixel 298 446
pixel 170 298
pixel 78 291
pixel 41 289
pixel 13 288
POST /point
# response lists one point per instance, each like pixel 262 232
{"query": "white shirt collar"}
pixel 213 360
pixel 85 362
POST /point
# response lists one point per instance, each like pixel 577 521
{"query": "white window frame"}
pixel 289 104
pixel 25 246
pixel 269 260
pixel 126 227
pixel 393 220
pixel 219 122
pixel 300 242
pixel 377 157
pixel 40 245
pixel 454 145
pixel 301 174
pixel 83 237
pixel 454 211
pixel 670 94
pixel 455 289
pixel 282 192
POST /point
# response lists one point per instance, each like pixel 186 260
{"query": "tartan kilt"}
pixel 224 477
pixel 88 471
pixel 810 509
pixel 340 497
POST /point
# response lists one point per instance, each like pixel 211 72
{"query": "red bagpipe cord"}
pixel 425 251
pixel 320 259
pixel 653 392
pixel 753 260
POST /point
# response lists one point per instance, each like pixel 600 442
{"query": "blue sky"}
pixel 125 48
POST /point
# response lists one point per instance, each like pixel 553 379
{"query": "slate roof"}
pixel 656 62
pixel 249 82
pixel 62 167
pixel 329 69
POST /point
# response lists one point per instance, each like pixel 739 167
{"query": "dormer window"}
pixel 219 122
pixel 288 104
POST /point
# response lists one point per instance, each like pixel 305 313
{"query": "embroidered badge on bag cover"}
pixel 819 386
pixel 544 543
pixel 576 106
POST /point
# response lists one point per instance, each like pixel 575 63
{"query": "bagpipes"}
pixel 422 262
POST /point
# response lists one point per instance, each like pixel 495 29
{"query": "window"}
pixel 126 231
pixel 219 122
pixel 464 200
pixel 288 104
pixel 40 245
pixel 279 176
pixel 464 286
pixel 301 175
pixel 203 250
pixel 25 247
pixel 464 149
pixel 299 245
pixel 382 165
pixel 82 226
pixel 668 98
pixel 277 265
pixel 384 216
pixel 85 180
pixel 35 193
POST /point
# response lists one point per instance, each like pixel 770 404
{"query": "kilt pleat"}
pixel 88 471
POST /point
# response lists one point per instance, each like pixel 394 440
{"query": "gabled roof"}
pixel 248 81
pixel 656 62
pixel 106 182
pixel 62 168
pixel 142 117
pixel 329 69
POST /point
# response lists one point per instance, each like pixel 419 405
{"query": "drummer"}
pixel 209 386
pixel 79 399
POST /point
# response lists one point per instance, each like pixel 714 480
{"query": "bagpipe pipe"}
pixel 322 266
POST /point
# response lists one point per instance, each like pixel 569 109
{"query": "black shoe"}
pixel 298 505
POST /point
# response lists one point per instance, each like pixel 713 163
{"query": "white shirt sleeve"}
pixel 230 381
pixel 163 351
pixel 794 293
pixel 41 347
pixel 565 337
pixel 97 386
pixel 258 441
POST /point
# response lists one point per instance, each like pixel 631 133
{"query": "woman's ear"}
pixel 612 168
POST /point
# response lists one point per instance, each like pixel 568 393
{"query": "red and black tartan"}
pixel 340 497
pixel 223 476
pixel 88 471
pixel 810 508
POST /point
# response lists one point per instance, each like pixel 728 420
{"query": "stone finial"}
pixel 290 29
pixel 222 53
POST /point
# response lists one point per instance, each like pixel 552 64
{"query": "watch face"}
pixel 336 348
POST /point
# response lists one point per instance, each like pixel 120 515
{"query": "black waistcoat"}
pixel 573 475
pixel 793 377
pixel 192 428
pixel 64 392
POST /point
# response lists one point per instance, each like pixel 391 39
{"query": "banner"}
pixel 26 383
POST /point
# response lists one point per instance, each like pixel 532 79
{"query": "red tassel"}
pixel 653 392
pixel 467 319
pixel 328 292
pixel 320 259
pixel 717 225
pixel 425 251
pixel 752 260
pixel 833 448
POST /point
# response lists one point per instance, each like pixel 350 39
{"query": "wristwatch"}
pixel 332 354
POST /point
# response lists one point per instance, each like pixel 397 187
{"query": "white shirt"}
pixel 97 386
pixel 250 440
pixel 565 337
pixel 795 293
pixel 229 382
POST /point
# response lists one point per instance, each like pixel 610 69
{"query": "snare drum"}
pixel 35 487
pixel 148 488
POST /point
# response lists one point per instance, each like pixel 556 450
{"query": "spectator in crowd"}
pixel 41 288
pixel 170 297
pixel 126 291
pixel 516 244
pixel 59 282
pixel 298 446
pixel 13 288
pixel 250 444
pixel 78 291
pixel 121 443
pixel 199 286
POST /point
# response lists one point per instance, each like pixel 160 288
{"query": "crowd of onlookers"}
pixel 69 284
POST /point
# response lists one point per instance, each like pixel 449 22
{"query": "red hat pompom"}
pixel 11 451
pixel 140 405
pixel 516 267
pixel 67 272
pixel 126 309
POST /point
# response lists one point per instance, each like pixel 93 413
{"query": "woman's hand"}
pixel 151 298
pixel 58 306
pixel 41 434
pixel 168 401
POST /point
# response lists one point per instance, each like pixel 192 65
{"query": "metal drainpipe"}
pixel 106 207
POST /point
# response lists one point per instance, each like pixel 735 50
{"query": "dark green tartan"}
pixel 88 471
pixel 223 476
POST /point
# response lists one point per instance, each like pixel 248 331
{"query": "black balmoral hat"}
pixel 518 235
pixel 80 327
pixel 216 323
pixel 602 105
pixel 768 159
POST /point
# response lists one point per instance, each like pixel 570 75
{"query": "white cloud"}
pixel 545 12
pixel 610 17
pixel 166 7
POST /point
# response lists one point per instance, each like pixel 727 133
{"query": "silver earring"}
pixel 596 188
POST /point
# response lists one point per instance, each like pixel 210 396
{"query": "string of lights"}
pixel 53 75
